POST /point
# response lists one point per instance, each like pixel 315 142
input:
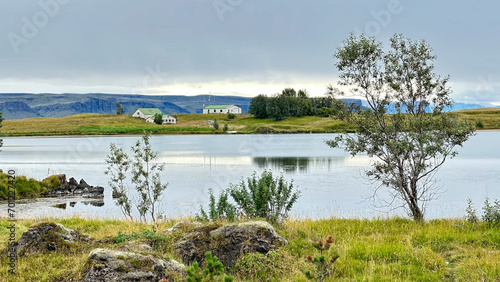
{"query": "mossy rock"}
pixel 48 237
pixel 111 265
pixel 228 242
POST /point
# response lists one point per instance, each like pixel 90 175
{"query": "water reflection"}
pixel 64 206
pixel 305 164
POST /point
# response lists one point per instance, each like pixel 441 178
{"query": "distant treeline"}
pixel 291 103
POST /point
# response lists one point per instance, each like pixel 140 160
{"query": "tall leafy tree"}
pixel 410 145
pixel 258 106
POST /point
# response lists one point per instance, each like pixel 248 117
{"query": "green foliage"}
pixel 51 182
pixel 258 106
pixel 471 216
pixel 323 265
pixel 28 188
pixel 264 197
pixel 213 270
pixel 158 119
pixel 259 197
pixel 215 124
pixel 260 267
pixel 225 127
pixel 158 241
pixel 145 175
pixel 220 209
pixel 479 124
pixel 231 116
pixel 410 145
pixel 491 212
pixel 118 164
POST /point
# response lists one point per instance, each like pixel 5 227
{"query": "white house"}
pixel 166 119
pixel 149 115
pixel 146 112
pixel 222 109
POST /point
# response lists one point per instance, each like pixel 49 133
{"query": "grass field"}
pixel 95 124
pixel 370 250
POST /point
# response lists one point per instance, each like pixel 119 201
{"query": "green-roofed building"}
pixel 146 112
pixel 149 115
pixel 222 109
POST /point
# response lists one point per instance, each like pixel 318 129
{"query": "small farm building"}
pixel 222 109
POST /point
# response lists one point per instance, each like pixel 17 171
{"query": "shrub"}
pixel 471 216
pixel 225 127
pixel 158 118
pixel 491 213
pixel 479 124
pixel 212 267
pixel 231 116
pixel 265 197
pixel 215 124
pixel 222 209
pixel 26 188
pixel 324 267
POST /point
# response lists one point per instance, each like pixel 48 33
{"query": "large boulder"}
pixel 228 242
pixel 46 237
pixel 111 265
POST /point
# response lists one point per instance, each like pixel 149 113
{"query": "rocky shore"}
pixel 74 188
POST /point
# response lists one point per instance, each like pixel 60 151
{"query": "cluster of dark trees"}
pixel 291 103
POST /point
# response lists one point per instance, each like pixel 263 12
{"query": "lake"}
pixel 331 182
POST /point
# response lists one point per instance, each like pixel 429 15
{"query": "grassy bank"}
pixel 95 124
pixel 370 250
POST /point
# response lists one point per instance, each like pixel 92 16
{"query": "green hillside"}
pixel 94 124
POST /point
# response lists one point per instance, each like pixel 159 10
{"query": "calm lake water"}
pixel 331 181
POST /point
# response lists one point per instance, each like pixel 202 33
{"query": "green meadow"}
pixel 370 250
pixel 96 124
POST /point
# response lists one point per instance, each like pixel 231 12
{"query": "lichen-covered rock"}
pixel 183 225
pixel 228 242
pixel 110 265
pixel 47 236
pixel 136 246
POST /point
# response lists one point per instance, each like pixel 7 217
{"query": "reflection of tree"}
pixel 288 164
pixel 298 164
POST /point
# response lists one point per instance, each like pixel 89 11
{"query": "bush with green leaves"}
pixel 323 266
pixel 231 116
pixel 265 197
pixel 158 119
pixel 491 212
pixel 213 270
pixel 471 216
pixel 220 209
pixel 258 197
pixel 225 127
pixel 215 124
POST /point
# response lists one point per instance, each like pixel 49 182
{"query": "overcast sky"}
pixel 232 47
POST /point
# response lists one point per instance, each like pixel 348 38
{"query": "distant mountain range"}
pixel 26 105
